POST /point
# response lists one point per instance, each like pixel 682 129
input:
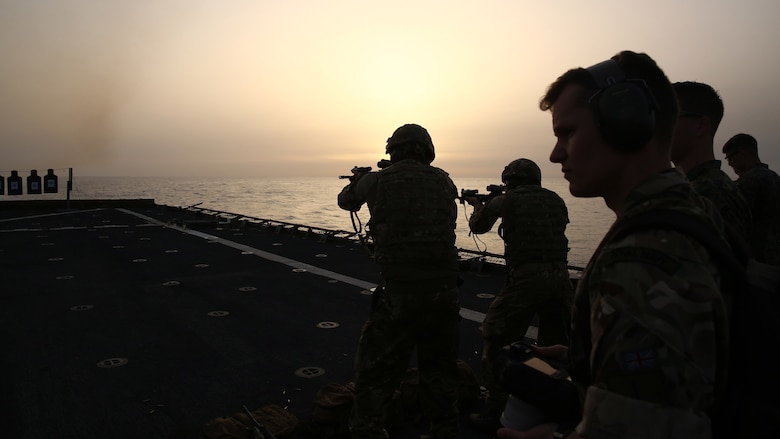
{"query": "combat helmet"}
pixel 523 171
pixel 412 134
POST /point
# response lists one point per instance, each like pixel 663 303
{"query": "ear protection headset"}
pixel 624 108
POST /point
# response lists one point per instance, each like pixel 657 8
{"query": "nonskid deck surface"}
pixel 148 322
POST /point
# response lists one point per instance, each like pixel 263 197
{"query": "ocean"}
pixel 312 202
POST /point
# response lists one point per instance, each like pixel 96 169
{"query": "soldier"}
pixel 701 110
pixel 761 187
pixel 649 332
pixel 533 228
pixel 413 214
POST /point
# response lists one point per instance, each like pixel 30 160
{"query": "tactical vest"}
pixel 533 226
pixel 414 214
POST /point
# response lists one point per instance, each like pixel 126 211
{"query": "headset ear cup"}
pixel 626 117
pixel 624 108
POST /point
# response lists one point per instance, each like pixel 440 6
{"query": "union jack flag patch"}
pixel 639 361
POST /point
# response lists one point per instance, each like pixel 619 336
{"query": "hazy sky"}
pixel 315 87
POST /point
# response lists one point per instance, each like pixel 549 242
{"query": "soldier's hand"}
pixel 356 176
pixel 557 352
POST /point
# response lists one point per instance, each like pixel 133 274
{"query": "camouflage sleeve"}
pixel 483 219
pixel 645 420
pixel 750 184
pixel 659 332
pixel 356 193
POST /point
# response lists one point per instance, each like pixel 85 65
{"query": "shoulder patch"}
pixel 650 256
pixel 641 360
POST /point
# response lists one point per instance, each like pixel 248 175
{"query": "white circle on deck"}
pixel 218 313
pixel 171 251
pixel 327 325
pixel 247 289
pixel 486 295
pixel 310 372
pixel 299 270
pixel 109 363
pixel 320 255
pixel 277 243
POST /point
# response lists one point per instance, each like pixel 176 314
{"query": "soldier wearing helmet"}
pixel 413 213
pixel 533 228
pixel 522 171
pixel 411 141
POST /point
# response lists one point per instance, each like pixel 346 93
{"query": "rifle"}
pixel 259 431
pixel 493 190
pixel 382 164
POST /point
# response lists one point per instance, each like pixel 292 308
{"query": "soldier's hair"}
pixel 741 142
pixel 699 99
pixel 636 66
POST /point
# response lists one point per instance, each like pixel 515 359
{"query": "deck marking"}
pixel 47 214
pixel 466 313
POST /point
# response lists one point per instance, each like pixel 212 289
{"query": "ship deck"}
pixel 127 319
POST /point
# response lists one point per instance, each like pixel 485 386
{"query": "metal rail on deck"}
pixel 224 217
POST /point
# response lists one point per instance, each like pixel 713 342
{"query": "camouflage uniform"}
pixel 761 188
pixel 649 324
pixel 413 214
pixel 710 181
pixel 533 227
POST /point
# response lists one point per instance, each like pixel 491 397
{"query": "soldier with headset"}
pixel 649 326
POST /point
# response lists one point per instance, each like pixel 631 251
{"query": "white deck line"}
pixel 466 313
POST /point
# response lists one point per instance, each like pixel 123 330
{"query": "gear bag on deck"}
pixel 269 422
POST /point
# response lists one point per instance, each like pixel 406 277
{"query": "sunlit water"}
pixel 312 201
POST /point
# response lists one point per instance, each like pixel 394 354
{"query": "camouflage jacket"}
pixel 533 224
pixel 649 325
pixel 761 188
pixel 710 181
pixel 413 217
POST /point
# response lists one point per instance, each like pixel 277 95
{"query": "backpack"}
pixel 332 408
pixel 751 396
